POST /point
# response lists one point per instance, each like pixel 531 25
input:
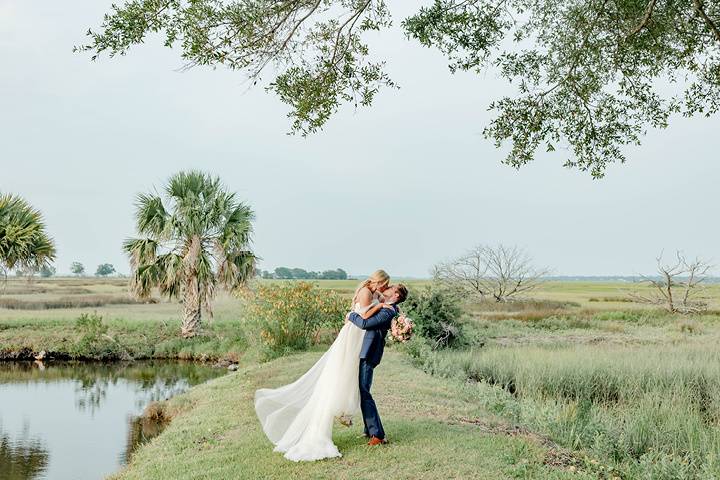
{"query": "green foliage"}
pixel 77 268
pixel 314 46
pixel 587 72
pixel 436 314
pixel 90 324
pixel 284 273
pixel 94 341
pixel 104 269
pixel 338 274
pixel 593 75
pixel 24 242
pixel 287 317
pixel 47 271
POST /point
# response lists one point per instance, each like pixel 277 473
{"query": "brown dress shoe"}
pixel 376 441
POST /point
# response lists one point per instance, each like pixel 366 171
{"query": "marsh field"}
pixel 576 381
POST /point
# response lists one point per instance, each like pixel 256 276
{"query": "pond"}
pixel 78 421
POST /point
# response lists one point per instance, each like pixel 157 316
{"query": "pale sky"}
pixel 401 186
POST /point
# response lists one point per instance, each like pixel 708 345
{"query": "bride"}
pixel 298 418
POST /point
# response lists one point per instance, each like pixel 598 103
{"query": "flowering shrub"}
pixel 285 317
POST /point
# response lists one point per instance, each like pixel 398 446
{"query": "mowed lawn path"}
pixel 216 435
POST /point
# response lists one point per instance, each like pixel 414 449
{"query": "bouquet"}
pixel 401 328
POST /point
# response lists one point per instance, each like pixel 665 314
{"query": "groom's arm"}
pixel 379 321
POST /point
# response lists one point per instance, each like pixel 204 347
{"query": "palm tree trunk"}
pixel 192 312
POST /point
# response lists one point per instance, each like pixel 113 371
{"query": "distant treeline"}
pixel 285 273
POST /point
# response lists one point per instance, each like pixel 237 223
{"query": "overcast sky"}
pixel 400 186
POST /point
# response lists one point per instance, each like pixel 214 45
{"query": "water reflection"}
pixel 21 458
pixel 81 420
pixel 140 430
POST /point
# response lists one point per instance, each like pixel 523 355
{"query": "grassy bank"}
pixel 436 431
pixel 44 316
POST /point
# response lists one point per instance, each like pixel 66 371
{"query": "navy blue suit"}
pixel 371 353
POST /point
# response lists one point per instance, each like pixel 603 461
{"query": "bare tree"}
pixel 501 273
pixel 465 274
pixel 678 286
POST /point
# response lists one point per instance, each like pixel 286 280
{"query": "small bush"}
pixel 288 317
pixel 91 324
pixel 436 314
pixel 94 342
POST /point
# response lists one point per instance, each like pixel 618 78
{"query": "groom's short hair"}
pixel 402 292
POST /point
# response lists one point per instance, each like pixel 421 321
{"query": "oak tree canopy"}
pixel 590 75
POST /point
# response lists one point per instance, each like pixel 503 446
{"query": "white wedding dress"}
pixel 298 418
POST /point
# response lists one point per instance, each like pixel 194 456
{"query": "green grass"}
pixel 627 384
pixel 613 294
pixel 142 330
pixel 636 408
pixel 215 434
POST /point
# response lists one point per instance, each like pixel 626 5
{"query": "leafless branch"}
pixel 678 286
pixel 501 273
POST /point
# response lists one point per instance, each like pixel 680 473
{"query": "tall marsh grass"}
pixel 652 412
pixel 70 301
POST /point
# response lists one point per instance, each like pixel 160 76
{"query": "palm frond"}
pixel 141 251
pixel 152 218
pixel 237 269
pixel 144 279
pixel 24 241
pixel 237 229
pixel 173 278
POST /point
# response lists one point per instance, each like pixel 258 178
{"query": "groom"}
pixel 370 355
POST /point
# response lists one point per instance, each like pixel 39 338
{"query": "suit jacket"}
pixel 376 328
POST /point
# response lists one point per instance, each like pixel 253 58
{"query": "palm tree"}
pixel 24 243
pixel 194 239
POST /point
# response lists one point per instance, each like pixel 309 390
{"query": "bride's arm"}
pixel 365 299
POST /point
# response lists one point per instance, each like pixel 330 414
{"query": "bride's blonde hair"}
pixel 379 277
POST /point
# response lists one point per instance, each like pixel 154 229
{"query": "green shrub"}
pixel 287 317
pixel 94 342
pixel 91 324
pixel 436 314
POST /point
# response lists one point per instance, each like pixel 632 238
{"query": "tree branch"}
pixel 700 9
pixel 645 20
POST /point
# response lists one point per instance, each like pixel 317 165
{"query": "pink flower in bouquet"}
pixel 401 329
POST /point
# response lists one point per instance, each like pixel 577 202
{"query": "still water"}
pixel 79 421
